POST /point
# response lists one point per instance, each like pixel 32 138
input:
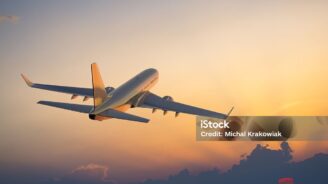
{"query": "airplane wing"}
pixel 62 89
pixel 88 109
pixel 154 101
pixel 75 91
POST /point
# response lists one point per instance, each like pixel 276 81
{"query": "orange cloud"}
pixel 10 18
pixel 93 172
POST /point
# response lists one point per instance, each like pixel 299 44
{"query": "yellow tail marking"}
pixel 99 91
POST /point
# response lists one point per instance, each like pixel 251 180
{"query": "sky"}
pixel 263 57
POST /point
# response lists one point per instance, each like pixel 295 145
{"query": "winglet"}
pixel 28 82
pixel 230 111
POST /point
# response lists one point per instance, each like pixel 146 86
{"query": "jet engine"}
pixel 138 100
pixel 109 89
pixel 168 98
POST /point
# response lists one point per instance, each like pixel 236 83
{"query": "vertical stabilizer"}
pixel 99 91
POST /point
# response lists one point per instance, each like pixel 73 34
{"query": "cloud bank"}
pixel 90 173
pixel 263 165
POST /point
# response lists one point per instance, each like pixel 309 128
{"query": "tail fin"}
pixel 99 91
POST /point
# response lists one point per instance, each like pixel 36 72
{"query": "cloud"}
pixel 263 165
pixel 91 171
pixel 84 174
pixel 11 18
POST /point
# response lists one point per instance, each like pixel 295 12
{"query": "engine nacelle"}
pixel 168 98
pixel 109 89
pixel 138 100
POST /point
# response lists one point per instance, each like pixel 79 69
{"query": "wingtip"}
pixel 228 114
pixel 42 102
pixel 27 81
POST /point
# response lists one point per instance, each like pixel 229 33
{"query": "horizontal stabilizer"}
pixel 68 106
pixel 122 115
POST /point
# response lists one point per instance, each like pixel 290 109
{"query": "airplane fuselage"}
pixel 118 99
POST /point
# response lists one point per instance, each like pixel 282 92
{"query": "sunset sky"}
pixel 263 57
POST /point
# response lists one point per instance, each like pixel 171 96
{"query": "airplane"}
pixel 109 102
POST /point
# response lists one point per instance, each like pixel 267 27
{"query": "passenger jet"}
pixel 109 102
